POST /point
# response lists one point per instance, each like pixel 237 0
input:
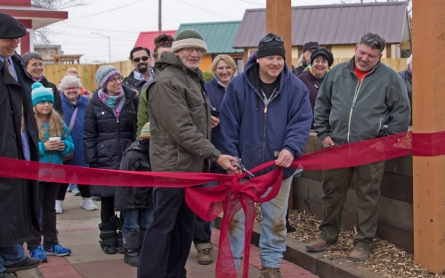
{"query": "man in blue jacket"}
pixel 266 115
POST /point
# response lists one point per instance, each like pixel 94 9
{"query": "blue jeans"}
pixel 273 234
pixel 135 219
pixel 11 255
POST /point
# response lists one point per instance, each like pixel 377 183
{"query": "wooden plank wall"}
pixel 54 73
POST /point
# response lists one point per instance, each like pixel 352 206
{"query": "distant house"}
pixel 219 37
pixel 336 27
pixel 31 17
pixel 145 39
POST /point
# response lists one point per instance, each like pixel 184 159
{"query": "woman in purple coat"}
pixel 313 76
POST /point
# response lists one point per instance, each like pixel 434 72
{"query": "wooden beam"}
pixel 279 22
pixel 429 117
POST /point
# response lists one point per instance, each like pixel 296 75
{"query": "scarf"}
pixel 114 102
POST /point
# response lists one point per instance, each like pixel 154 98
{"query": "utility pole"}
pixel 160 16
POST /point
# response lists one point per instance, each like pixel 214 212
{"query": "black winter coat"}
pixel 18 197
pixel 407 79
pixel 106 138
pixel 135 158
pixel 313 84
pixel 57 100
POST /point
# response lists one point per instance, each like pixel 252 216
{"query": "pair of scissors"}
pixel 241 167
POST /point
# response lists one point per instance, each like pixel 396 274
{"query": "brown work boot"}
pixel 269 272
pixel 319 245
pixel 205 256
pixel 359 254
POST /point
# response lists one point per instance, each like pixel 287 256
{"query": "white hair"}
pixel 68 80
pixel 410 60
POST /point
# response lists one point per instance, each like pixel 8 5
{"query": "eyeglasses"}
pixel 189 50
pixel 269 39
pixel 71 89
pixel 138 59
pixel 115 79
pixel 372 41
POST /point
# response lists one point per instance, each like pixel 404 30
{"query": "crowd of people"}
pixel 264 113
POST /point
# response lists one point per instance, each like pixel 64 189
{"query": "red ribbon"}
pixel 230 195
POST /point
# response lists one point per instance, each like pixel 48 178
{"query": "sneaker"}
pixel 57 250
pixel 205 256
pixel 319 245
pixel 269 272
pixel 59 209
pixel 359 254
pixel 96 198
pixel 75 192
pixel 39 254
pixel 24 264
pixel 88 204
pixel 69 189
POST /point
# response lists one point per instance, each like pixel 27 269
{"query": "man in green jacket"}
pixel 180 123
pixel 359 100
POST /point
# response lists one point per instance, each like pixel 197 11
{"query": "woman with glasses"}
pixel 74 106
pixel 110 127
pixel 224 69
pixel 313 76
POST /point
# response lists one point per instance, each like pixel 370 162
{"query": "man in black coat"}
pixel 143 71
pixel 19 139
pixel 407 76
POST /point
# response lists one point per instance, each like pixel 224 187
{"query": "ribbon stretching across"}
pixel 230 195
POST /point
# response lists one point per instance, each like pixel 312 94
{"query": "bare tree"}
pixel 41 34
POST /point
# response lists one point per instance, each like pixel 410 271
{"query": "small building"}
pixel 336 27
pixel 219 37
pixel 146 39
pixel 31 17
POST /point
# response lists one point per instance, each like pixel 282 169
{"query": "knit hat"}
pixel 104 74
pixel 10 28
pixel 310 45
pixel 270 45
pixel 323 52
pixel 41 94
pixel 145 132
pixel 188 38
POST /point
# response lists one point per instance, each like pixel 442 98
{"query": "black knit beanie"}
pixel 270 45
pixel 325 53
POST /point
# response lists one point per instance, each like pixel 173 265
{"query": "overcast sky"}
pixel 124 20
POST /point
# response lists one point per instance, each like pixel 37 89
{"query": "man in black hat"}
pixel 18 130
pixel 305 57
pixel 266 115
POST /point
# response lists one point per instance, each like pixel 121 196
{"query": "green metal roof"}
pixel 219 36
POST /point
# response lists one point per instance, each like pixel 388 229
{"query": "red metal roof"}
pixel 145 39
pixel 331 24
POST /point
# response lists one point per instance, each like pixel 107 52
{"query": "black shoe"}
pixel 25 264
pixel 5 274
pixel 289 228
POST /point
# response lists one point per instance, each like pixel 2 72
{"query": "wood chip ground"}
pixel 386 259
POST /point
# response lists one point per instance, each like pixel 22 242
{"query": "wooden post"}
pixel 429 117
pixel 279 22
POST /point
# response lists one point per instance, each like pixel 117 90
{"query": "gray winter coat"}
pixel 348 111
